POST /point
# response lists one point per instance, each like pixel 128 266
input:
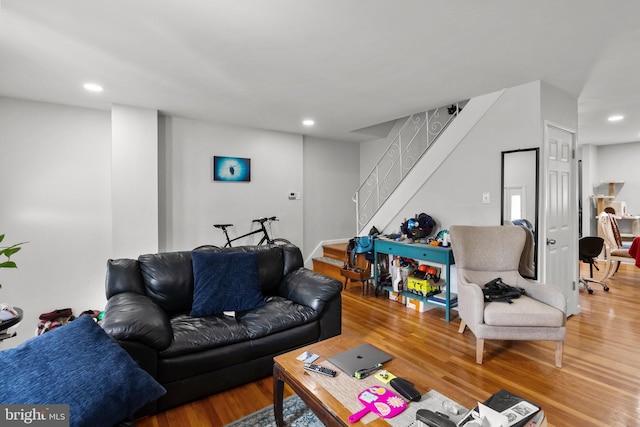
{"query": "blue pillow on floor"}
pixel 225 281
pixel 80 365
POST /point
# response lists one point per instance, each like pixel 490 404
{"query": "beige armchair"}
pixel 485 253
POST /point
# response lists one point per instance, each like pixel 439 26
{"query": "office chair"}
pixel 589 248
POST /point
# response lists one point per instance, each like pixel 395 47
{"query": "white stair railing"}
pixel 413 140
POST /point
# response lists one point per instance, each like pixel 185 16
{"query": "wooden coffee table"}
pixel 320 392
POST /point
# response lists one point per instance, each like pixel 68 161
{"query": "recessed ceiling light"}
pixel 308 122
pixel 615 118
pixel 93 87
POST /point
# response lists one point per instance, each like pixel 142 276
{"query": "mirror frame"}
pixel 536 200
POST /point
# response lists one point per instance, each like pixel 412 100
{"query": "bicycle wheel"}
pixel 281 242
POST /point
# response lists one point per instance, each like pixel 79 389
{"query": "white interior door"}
pixel 559 244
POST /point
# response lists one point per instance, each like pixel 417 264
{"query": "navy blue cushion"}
pixel 225 282
pixel 80 365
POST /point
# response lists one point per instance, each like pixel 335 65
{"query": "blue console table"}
pixel 436 254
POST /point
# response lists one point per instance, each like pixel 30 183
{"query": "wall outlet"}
pixel 294 195
pixel 486 198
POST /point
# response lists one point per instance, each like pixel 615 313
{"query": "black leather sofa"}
pixel 148 313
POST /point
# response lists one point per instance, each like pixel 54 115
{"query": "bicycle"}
pixel 266 239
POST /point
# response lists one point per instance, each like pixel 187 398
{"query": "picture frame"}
pixel 231 169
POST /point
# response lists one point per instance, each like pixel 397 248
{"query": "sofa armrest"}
pixel 309 288
pixel 133 317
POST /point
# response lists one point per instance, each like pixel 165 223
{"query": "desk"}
pixel 422 252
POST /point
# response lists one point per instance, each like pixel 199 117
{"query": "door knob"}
pixel 551 241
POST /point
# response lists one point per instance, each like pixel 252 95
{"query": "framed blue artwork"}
pixel 231 169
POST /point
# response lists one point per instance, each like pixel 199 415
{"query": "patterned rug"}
pixel 296 414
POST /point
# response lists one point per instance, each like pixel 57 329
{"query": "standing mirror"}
pixel 519 204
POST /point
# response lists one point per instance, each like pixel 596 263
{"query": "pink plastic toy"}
pixel 380 401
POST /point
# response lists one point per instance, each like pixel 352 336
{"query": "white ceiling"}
pixel 348 64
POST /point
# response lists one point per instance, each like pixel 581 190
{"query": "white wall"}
pixel 331 177
pixel 55 171
pixel 191 201
pixel 619 162
pixel 588 154
pixel 134 181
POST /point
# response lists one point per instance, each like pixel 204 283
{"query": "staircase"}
pixel 414 138
pixel 404 169
pixel 331 261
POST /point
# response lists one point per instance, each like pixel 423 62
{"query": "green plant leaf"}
pixel 8 264
pixel 11 250
pixel 7 252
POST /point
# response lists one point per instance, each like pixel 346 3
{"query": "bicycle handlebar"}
pixel 263 220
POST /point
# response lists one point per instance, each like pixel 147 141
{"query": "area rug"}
pixel 296 414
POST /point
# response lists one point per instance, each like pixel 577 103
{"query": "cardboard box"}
pixel 394 296
pixel 417 305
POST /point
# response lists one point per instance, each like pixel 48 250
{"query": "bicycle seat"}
pixel 223 226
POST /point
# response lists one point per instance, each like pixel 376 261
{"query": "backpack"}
pixel 360 245
pixel 497 290
pixel 364 244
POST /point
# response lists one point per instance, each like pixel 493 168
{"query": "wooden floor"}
pixel 599 384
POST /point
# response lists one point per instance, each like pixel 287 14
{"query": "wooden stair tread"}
pixel 340 246
pixel 330 260
pixel 335 250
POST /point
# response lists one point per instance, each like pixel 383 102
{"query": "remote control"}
pixel 433 419
pixel 320 370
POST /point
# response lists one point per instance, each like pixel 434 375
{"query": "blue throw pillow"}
pixel 225 281
pixel 80 365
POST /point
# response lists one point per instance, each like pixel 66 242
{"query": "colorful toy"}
pixel 380 401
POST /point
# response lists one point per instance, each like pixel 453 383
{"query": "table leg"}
pixel 278 395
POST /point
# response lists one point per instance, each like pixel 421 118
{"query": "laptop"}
pixel 361 357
